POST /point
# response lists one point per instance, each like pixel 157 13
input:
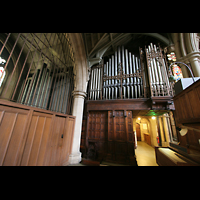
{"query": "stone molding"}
pixel 79 94
pixel 74 159
pixel 192 55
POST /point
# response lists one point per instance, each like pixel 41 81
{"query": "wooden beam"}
pixel 113 41
pixel 97 44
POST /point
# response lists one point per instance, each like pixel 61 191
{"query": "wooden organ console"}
pixel 119 89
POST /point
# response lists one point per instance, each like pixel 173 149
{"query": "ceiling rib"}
pixel 97 44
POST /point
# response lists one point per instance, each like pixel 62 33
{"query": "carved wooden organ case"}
pixel 117 91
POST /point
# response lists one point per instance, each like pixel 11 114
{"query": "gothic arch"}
pixel 80 61
pixel 186 48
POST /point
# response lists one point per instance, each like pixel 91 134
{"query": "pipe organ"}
pixel 129 86
pixel 123 76
pixel 39 70
pixel 119 78
pixel 158 76
pixel 48 89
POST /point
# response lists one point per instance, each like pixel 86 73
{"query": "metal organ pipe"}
pixel 141 80
pixel 135 79
pixel 113 74
pixel 119 65
pixel 123 67
pixel 158 76
pixel 127 72
pixel 131 72
pixel 109 74
pixel 138 80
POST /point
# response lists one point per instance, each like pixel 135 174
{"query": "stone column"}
pixel 193 52
pixel 195 66
pixel 78 105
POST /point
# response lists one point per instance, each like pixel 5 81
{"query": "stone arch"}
pixel 102 48
pixel 186 49
pixel 80 61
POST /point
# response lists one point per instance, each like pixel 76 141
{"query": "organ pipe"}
pixel 52 92
pixel 158 76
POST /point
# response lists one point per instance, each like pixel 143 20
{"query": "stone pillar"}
pixel 78 105
pixel 195 66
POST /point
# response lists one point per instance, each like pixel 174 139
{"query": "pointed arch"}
pixel 81 71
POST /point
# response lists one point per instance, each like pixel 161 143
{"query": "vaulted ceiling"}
pixel 100 45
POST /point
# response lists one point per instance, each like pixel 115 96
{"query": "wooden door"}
pixel 138 132
pixel 97 130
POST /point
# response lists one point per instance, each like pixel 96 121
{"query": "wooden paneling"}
pixel 110 126
pixel 12 131
pixel 187 103
pixel 128 104
pixel 147 139
pixel 98 131
pixel 67 140
pixel 120 133
pixel 129 126
pixel 112 131
pixel 187 113
pixel 30 137
pixel 97 128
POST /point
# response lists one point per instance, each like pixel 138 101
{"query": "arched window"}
pixel 2 75
pixel 2 72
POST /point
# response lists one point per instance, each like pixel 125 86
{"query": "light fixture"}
pixel 139 118
pixel 153 117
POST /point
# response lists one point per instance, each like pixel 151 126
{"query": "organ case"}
pixel 122 77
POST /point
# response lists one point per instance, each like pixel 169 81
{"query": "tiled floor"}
pixel 145 154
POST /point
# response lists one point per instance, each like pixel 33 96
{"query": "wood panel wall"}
pixel 34 137
pixel 187 113
pixel 112 131
pixel 187 104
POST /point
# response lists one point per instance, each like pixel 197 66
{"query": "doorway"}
pixel 138 132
